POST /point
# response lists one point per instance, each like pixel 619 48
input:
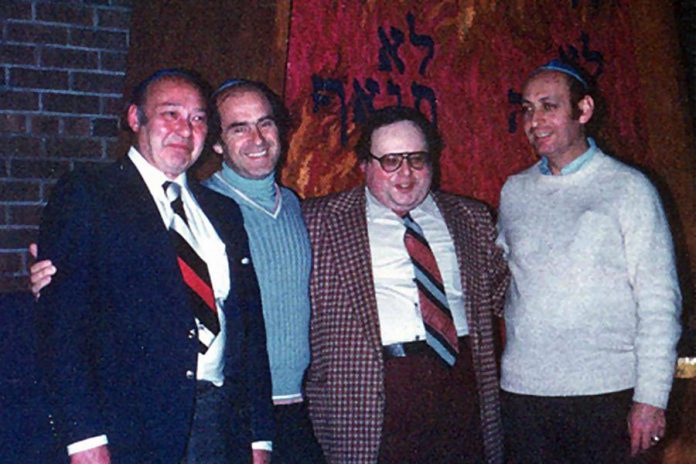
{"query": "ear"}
pixel 217 148
pixel 133 121
pixel 363 166
pixel 586 107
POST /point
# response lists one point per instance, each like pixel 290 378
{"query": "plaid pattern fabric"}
pixel 345 386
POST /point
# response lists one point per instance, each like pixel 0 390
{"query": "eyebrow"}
pixel 542 99
pixel 247 123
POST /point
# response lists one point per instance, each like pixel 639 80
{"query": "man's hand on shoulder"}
pixel 261 456
pixel 646 425
pixel 98 455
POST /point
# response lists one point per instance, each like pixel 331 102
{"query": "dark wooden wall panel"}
pixel 218 38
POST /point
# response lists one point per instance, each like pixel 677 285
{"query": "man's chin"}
pixel 405 206
pixel 175 170
pixel 540 152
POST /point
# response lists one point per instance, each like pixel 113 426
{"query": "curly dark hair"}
pixel 390 115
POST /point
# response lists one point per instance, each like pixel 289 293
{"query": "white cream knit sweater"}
pixel 594 303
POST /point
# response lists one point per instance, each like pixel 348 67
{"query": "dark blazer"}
pixel 117 341
pixel 345 385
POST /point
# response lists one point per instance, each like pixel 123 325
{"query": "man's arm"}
pixel 498 270
pixel 652 276
pixel 93 449
pixel 258 377
pixel 247 357
pixel 65 316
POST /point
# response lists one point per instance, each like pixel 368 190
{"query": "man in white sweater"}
pixel 592 312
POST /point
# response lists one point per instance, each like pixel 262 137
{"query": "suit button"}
pixel 245 260
pixel 190 375
pixel 192 334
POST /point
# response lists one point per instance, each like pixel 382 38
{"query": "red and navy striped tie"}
pixel 440 333
pixel 194 270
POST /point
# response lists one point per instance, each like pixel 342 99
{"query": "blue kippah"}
pixel 228 84
pixel 565 68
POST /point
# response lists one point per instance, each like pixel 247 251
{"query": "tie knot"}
pixel 172 190
pixel 408 221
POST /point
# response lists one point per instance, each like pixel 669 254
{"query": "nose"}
pixel 258 136
pixel 536 118
pixel 185 128
pixel 405 168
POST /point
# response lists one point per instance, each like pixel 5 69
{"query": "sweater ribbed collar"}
pixel 260 191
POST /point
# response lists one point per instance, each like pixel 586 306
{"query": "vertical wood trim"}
pixel 277 70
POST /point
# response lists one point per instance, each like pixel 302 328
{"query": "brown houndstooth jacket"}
pixel 345 385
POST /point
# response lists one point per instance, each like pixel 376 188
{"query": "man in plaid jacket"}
pixel 377 391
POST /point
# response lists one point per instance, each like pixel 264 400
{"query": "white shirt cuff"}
pixel 87 444
pixel 262 445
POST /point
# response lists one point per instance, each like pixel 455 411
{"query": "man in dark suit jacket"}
pixel 130 375
pixel 378 392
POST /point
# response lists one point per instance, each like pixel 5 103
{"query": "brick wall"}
pixel 61 82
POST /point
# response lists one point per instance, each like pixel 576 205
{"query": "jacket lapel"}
pixel 143 228
pixel 349 226
pixel 133 200
pixel 221 213
pixel 458 225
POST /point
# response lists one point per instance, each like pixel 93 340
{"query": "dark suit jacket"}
pixel 117 335
pixel 345 385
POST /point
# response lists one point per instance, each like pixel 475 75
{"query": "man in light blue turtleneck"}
pixel 251 127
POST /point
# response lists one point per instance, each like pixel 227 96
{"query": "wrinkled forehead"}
pixel 174 89
pixel 247 90
pixel 550 82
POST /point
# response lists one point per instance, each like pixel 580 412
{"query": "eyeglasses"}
pixel 392 161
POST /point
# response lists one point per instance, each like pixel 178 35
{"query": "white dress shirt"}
pixel 207 244
pixel 400 319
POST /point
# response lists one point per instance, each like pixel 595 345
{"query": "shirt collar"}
pixel 153 177
pixel 573 166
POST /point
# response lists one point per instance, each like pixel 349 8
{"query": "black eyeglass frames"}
pixel 392 161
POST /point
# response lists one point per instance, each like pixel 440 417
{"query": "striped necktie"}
pixel 440 333
pixel 194 270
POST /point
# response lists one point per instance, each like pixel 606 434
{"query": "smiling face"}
pixel 170 126
pixel 553 127
pixel 405 188
pixel 249 139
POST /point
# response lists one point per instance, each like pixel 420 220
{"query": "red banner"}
pixel 462 63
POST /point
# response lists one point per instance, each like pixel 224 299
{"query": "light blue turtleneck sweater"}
pixel 281 253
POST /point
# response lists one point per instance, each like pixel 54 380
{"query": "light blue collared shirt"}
pixel 573 166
